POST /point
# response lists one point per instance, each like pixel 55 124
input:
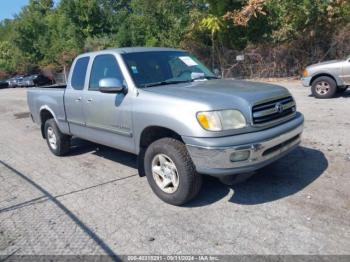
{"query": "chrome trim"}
pixel 115 131
pixel 74 122
pixel 255 112
pixel 276 121
pixel 273 102
pixel 46 107
pixel 219 157
pixel 273 110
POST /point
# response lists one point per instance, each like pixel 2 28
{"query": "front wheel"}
pixel 324 87
pixel 170 171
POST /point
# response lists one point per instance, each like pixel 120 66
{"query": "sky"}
pixel 8 8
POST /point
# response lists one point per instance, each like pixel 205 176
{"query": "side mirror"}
pixel 111 85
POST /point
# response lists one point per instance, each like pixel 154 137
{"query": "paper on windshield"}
pixel 188 60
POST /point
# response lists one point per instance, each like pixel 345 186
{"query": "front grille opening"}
pixel 274 116
pixel 267 112
pixel 279 146
pixel 272 103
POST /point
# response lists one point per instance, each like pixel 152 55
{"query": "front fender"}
pixel 145 120
pixel 338 79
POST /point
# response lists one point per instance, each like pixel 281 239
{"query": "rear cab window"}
pixel 79 73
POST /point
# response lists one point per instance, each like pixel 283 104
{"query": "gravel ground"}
pixel 93 202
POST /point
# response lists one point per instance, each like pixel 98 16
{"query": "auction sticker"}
pixel 188 60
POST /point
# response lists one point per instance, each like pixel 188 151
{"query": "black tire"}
pixel 190 181
pixel 141 162
pixel 62 141
pixel 330 87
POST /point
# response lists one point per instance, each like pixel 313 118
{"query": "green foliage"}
pixel 154 23
pixel 46 36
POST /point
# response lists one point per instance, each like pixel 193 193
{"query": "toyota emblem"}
pixel 279 108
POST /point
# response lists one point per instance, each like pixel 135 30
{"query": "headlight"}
pixel 221 120
pixel 305 73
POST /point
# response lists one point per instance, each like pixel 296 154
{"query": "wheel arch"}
pixel 152 133
pixel 148 135
pixel 45 114
pixel 337 80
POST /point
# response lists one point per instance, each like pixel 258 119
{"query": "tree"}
pixel 155 23
pixel 214 24
pixel 285 33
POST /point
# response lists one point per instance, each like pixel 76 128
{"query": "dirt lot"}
pixel 93 202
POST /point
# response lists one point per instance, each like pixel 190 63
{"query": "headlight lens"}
pixel 305 73
pixel 221 120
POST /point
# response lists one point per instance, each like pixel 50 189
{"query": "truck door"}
pixel 107 115
pixel 346 72
pixel 74 96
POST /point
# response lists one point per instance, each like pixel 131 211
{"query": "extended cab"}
pixel 166 107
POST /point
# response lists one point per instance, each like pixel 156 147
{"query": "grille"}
pixel 273 110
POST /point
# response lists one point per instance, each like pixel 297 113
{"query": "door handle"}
pixel 78 99
pixel 89 100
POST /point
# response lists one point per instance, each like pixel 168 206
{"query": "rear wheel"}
pixel 324 87
pixel 170 171
pixel 58 143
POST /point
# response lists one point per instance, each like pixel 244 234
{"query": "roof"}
pixel 143 49
pixel 125 50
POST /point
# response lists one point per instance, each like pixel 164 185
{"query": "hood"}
pixel 326 63
pixel 222 93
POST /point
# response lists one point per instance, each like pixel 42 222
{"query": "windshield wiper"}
pixel 166 82
pixel 204 77
pixel 171 82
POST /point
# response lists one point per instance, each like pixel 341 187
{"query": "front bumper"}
pixel 306 81
pixel 216 161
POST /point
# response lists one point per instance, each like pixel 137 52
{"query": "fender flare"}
pixel 46 107
pixel 337 79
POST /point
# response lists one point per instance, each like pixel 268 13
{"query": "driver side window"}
pixel 104 66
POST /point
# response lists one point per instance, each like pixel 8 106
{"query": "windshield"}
pixel 165 67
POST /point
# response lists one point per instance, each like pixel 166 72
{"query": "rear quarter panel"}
pixel 48 99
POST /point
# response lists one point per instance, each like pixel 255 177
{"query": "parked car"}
pixel 327 78
pixel 14 81
pixel 166 107
pixel 40 80
pixel 11 82
pixel 4 84
pixel 21 82
pixel 34 80
pixel 28 81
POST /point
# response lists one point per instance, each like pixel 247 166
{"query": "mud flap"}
pixel 140 162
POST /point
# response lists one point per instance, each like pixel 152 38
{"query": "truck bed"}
pixel 50 98
pixel 56 86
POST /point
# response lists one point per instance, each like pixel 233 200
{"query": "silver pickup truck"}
pixel 166 107
pixel 327 78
